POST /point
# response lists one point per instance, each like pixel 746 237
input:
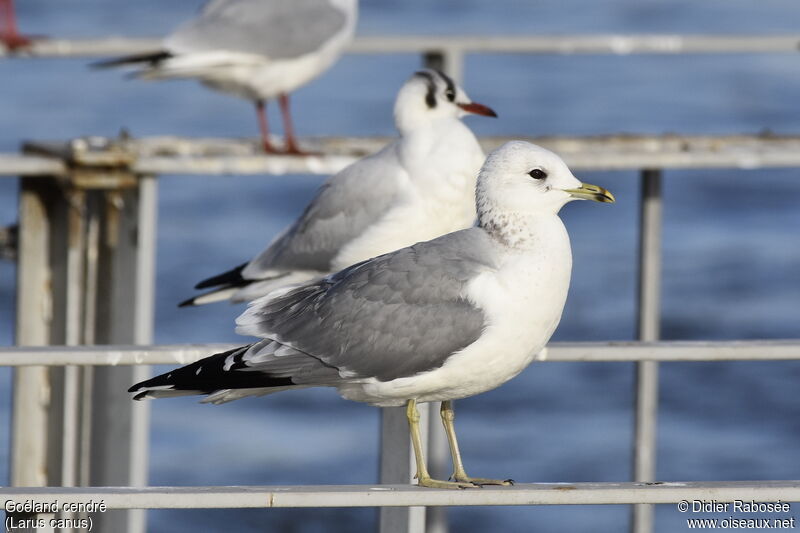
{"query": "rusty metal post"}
pixel 85 277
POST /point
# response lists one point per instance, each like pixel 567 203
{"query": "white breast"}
pixel 522 300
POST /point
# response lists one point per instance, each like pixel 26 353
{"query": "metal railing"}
pixel 91 165
pixel 620 351
pixel 182 156
pixel 408 495
pixel 622 44
pixel 405 496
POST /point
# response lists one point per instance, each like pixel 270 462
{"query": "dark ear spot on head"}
pixel 430 96
pixel 450 92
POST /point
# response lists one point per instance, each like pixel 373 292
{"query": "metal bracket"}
pixel 92 162
pixel 87 240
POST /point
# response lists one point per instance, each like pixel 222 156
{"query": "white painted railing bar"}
pixel 13 165
pixel 619 44
pixel 603 44
pixel 407 495
pixel 180 354
pixel 174 155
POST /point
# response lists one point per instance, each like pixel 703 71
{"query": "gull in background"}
pixel 438 321
pixel 254 49
pixel 418 187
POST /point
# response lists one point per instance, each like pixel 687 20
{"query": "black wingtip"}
pixel 109 63
pixel 231 277
pixel 139 393
pixel 187 303
pixel 105 63
pixel 152 58
pixel 206 376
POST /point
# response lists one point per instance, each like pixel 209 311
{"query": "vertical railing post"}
pixel 31 395
pixel 649 316
pixel 85 270
pixel 49 299
pixel 450 61
pixel 396 456
pixel 124 316
pixel 398 467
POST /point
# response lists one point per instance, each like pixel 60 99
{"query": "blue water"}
pixel 731 252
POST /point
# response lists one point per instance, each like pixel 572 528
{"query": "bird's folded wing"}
pixel 393 316
pixel 277 29
pixel 343 208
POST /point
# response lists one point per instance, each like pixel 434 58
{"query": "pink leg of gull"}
pixel 288 129
pixel 261 108
pixel 9 35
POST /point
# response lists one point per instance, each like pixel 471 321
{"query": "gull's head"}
pixel 431 95
pixel 522 178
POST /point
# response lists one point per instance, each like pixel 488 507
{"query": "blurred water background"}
pixel 731 252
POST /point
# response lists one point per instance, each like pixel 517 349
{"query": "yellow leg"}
pixel 423 477
pixel 448 416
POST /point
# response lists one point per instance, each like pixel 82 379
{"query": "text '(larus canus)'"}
pixel 417 188
pixel 438 321
pixel 254 49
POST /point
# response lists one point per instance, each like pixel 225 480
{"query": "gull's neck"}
pixel 411 124
pixel 445 137
pixel 443 153
pixel 525 231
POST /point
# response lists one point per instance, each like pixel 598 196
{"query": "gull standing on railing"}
pixel 438 321
pixel 255 49
pixel 419 187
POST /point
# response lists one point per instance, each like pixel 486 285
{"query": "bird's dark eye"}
pixel 537 174
pixel 450 94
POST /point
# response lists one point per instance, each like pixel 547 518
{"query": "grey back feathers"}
pixel 393 316
pixel 277 29
pixel 342 209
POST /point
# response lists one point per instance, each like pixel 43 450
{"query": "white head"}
pixel 430 95
pixel 520 179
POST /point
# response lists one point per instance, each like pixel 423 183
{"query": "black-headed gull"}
pixel 254 49
pixel 418 187
pixel 438 321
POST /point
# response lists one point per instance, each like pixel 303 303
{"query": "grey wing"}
pixel 393 316
pixel 278 29
pixel 343 208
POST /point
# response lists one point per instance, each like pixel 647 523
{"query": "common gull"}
pixel 438 321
